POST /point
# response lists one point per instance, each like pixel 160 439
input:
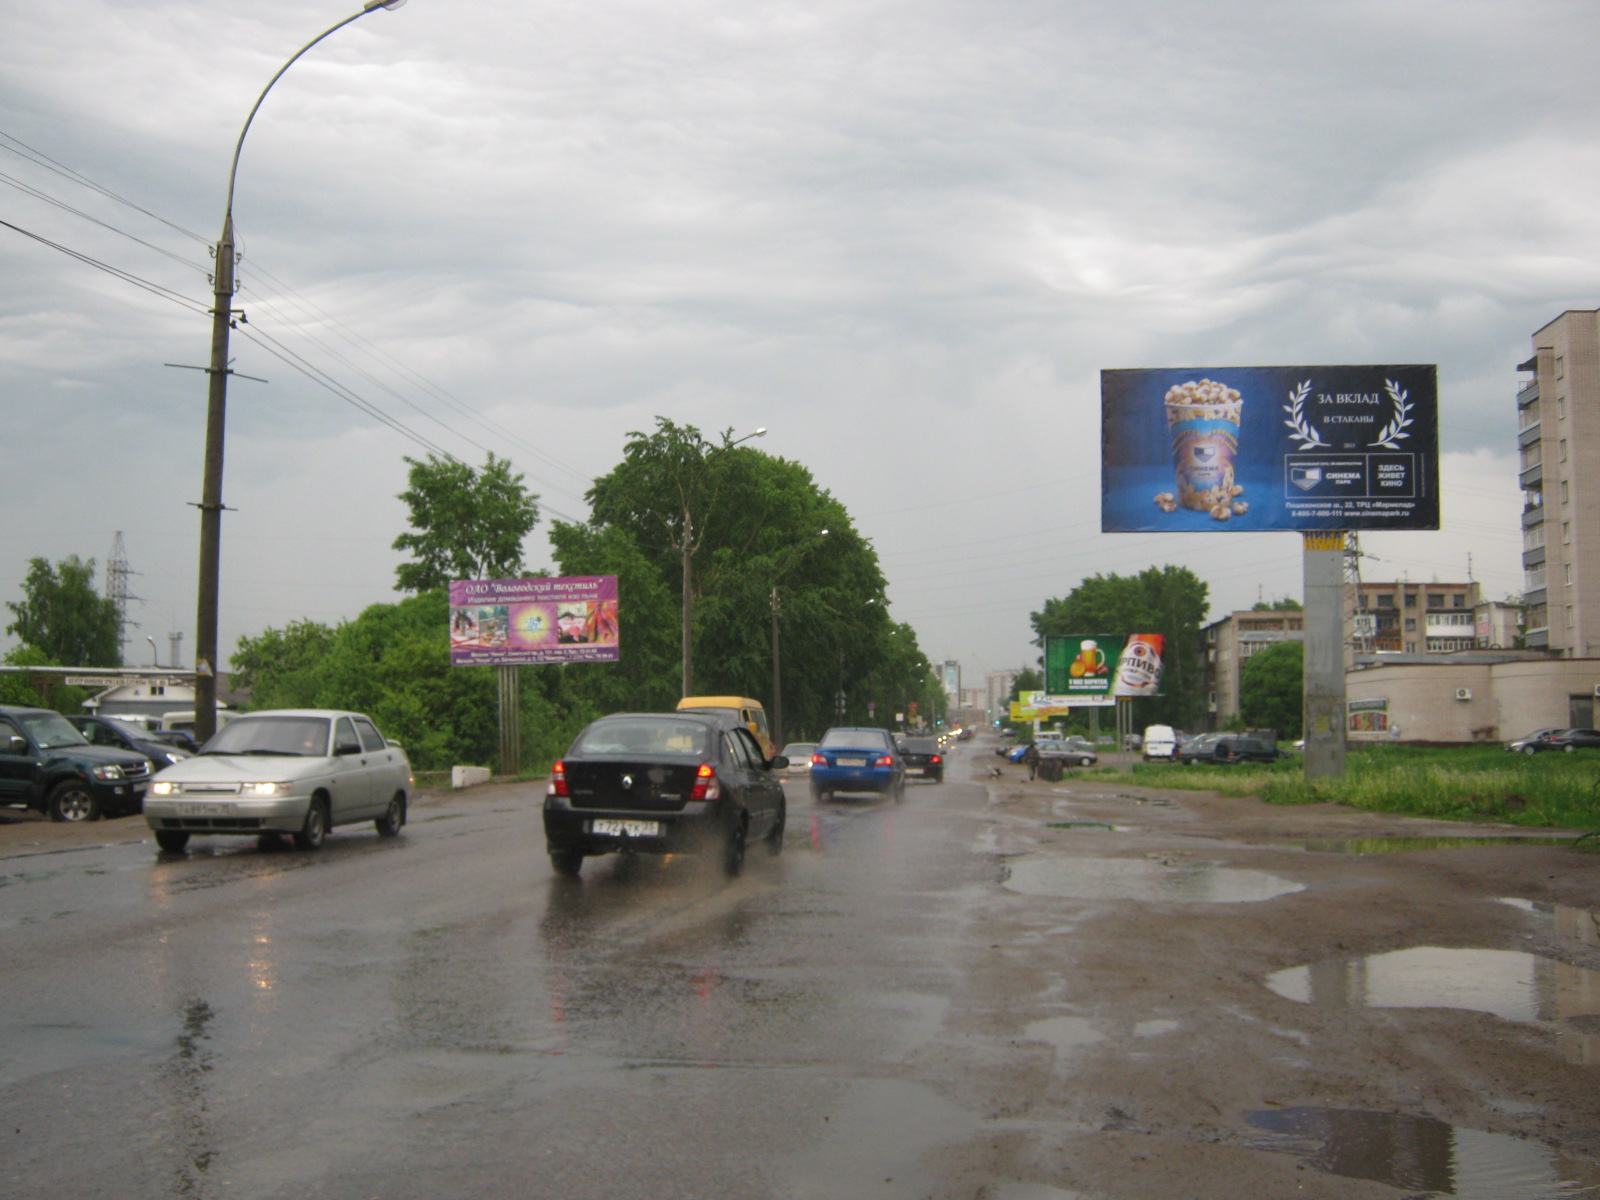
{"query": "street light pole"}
pixel 205 665
pixel 687 545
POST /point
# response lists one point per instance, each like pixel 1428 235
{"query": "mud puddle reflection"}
pixel 1420 1153
pixel 1154 880
pixel 1509 984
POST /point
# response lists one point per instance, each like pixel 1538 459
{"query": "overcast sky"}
pixel 903 236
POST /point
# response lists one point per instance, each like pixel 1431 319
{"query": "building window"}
pixel 1411 624
pixel 1568 570
pixel 1561 366
pixel 1563 445
pixel 1411 647
pixel 1385 601
pixel 1564 491
pixel 1458 601
pixel 1569 616
pixel 1435 601
pixel 1411 600
pixel 1561 408
pixel 1566 533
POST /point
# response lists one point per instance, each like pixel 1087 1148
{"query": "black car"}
pixel 922 758
pixel 108 731
pixel 1198 748
pixel 656 783
pixel 1242 749
pixel 1570 740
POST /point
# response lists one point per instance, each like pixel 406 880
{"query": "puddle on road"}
pixel 1578 924
pixel 1399 845
pixel 881 1141
pixel 1144 879
pixel 1064 1033
pixel 1422 1154
pixel 1509 984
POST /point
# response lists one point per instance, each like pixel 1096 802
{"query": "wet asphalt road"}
pixel 438 1015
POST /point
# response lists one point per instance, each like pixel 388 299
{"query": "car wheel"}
pixel 566 863
pixel 315 831
pixel 393 817
pixel 1570 749
pixel 172 840
pixel 733 849
pixel 1530 749
pixel 775 834
pixel 818 795
pixel 73 801
pixel 1085 762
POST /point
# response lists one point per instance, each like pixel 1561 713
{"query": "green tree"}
pixel 1283 604
pixel 63 617
pixel 1272 688
pixel 282 669
pixel 750 528
pixel 1167 600
pixel 466 523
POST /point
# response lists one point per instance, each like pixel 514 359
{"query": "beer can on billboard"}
pixel 1139 666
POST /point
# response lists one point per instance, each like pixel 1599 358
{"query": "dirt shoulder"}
pixel 1163 921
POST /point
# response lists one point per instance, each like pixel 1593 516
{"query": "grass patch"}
pixel 1472 783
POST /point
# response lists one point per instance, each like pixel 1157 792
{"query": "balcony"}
pixel 1532 476
pixel 1528 393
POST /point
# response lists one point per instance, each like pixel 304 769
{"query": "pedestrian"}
pixel 1030 759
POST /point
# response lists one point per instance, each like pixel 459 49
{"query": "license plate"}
pixel 852 762
pixel 203 810
pixel 627 828
pixel 913 770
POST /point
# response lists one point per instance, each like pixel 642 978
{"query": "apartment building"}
pixel 1413 618
pixel 1229 643
pixel 1558 419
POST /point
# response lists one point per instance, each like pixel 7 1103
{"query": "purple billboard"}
pixel 507 622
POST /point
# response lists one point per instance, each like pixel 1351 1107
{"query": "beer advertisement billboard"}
pixel 1104 668
pixel 1192 449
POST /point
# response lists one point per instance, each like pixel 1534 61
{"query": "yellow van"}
pixel 749 711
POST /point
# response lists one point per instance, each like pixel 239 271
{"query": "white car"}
pixel 297 771
pixel 799 756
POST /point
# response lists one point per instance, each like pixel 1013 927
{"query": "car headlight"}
pixel 108 773
pixel 163 787
pixel 265 789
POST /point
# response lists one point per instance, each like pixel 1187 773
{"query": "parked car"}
pixel 656 783
pixel 922 758
pixel 1532 743
pixel 799 756
pixel 108 731
pixel 855 759
pixel 1243 749
pixel 299 771
pixel 1076 751
pixel 1197 748
pixel 1570 740
pixel 48 765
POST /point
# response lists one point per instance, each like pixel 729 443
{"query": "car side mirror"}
pixel 778 763
pixel 347 748
pixel 18 744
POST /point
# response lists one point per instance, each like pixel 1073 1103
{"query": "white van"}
pixel 1160 743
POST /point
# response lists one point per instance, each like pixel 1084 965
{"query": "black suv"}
pixel 46 764
pixel 1242 749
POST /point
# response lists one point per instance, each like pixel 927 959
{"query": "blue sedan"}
pixel 857 760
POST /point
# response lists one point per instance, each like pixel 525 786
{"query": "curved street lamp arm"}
pixel 233 168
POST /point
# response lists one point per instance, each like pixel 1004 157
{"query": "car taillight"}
pixel 558 780
pixel 706 784
pixel 818 760
pixel 884 760
pixel 935 759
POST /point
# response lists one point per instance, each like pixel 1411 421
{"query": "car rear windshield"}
pixel 920 745
pixel 876 739
pixel 643 736
pixel 306 737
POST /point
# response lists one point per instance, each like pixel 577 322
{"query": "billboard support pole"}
pixel 1324 698
pixel 510 720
